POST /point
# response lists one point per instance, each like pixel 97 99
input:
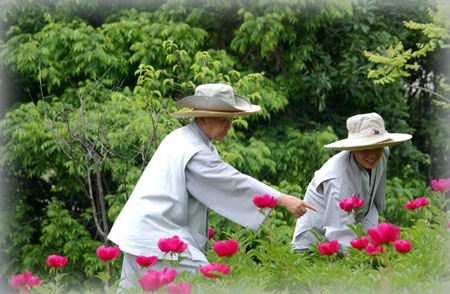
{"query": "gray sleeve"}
pixel 225 190
pixel 380 194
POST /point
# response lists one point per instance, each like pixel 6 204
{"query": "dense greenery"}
pixel 93 83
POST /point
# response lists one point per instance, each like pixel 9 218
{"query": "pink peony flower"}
pixel 209 269
pixel 402 246
pixel 346 204
pixel 181 288
pixel 56 261
pixel 384 233
pixel 411 205
pixel 415 204
pixel 146 261
pixel 328 248
pixel 371 249
pixel 441 185
pixel 108 253
pixel 24 282
pixel 173 244
pixel 264 201
pixel 227 248
pixel 360 243
pixel 152 280
pixel 422 201
pixel 169 275
pixel 210 233
pixel 448 224
pixel 356 202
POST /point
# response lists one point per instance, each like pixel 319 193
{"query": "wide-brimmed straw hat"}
pixel 215 100
pixel 366 131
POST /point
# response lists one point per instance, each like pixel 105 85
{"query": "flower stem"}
pixel 268 231
pixel 108 271
pixel 56 282
pixel 388 271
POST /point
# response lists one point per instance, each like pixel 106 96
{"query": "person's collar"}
pixel 200 131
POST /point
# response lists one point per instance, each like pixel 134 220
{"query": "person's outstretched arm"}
pixel 294 205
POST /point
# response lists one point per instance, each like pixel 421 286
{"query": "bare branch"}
pixel 429 91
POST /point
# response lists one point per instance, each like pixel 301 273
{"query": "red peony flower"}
pixel 169 275
pixel 328 248
pixel 181 288
pixel 411 205
pixel 441 185
pixel 173 244
pixel 384 233
pixel 356 202
pixel 227 248
pixel 56 261
pixel 422 201
pixel 402 246
pixel 264 201
pixel 371 249
pixel 360 243
pixel 415 204
pixel 24 282
pixel 146 261
pixel 152 280
pixel 346 204
pixel 209 269
pixel 108 253
pixel 210 233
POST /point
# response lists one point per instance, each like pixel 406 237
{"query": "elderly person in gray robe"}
pixel 185 178
pixel 360 170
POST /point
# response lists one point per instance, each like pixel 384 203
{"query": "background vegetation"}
pixel 88 86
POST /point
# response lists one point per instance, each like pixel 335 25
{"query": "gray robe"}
pixel 340 177
pixel 184 178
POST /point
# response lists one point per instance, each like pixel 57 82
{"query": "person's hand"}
pixel 294 205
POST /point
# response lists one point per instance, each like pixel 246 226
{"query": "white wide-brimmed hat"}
pixel 366 131
pixel 215 100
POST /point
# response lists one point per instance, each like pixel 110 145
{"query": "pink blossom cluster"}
pixel 173 244
pixel 443 185
pixel 153 280
pixel 416 204
pixel 146 261
pixel 227 248
pixel 264 201
pixel 24 282
pixel 328 248
pixel 108 253
pixel 56 261
pixel 384 233
pixel 348 204
pixel 213 270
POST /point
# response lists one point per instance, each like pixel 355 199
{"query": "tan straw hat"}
pixel 215 100
pixel 366 131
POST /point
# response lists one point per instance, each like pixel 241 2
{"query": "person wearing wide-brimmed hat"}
pixel 185 178
pixel 360 170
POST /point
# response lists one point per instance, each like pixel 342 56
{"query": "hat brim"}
pixel 374 142
pixel 214 113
